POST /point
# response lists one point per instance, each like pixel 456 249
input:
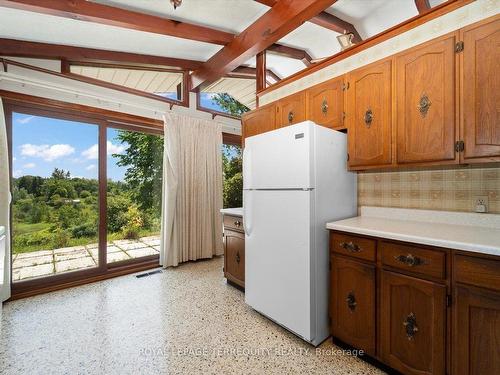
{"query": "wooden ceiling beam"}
pixel 249 72
pixel 20 48
pixel 83 10
pixel 422 6
pixel 291 52
pixel 328 21
pixel 283 17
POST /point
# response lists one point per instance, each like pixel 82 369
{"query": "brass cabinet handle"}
pixel 424 105
pixel 410 324
pixel 351 301
pixel 237 223
pixel 350 246
pixel 290 116
pixel 324 106
pixel 238 257
pixel 368 117
pixel 409 260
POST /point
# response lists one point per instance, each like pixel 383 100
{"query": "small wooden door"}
pixel 234 257
pixel 259 121
pixel 291 109
pixel 352 303
pixel 412 324
pixel 480 123
pixel 326 103
pixel 425 102
pixel 476 331
pixel 369 115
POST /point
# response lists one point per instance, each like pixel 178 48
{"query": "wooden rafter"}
pixel 422 6
pixel 249 72
pixel 291 52
pixel 282 18
pixel 260 71
pixel 328 21
pixel 20 48
pixel 104 14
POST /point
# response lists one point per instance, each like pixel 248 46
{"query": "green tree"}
pixel 230 104
pixel 144 159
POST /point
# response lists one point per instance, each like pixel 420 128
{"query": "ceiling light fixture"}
pixel 345 40
pixel 176 3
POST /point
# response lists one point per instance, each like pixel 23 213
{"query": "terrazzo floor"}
pixel 185 320
pixel 48 262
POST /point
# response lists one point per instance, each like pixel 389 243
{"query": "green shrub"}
pixel 134 223
pixel 41 238
pixel 84 194
pixel 117 207
pixel 233 188
pixel 68 216
pixel 60 238
pixel 85 230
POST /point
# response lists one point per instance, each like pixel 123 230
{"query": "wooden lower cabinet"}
pixel 353 303
pixel 476 327
pixel 234 257
pixel 412 324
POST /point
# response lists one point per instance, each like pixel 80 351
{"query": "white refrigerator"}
pixel 295 180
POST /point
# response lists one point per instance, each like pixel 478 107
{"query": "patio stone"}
pixel 34 271
pixel 117 256
pixel 92 246
pixel 32 261
pixel 137 253
pixel 77 252
pixel 34 254
pixel 151 241
pixel 65 250
pixel 74 264
pixel 130 245
pixel 157 248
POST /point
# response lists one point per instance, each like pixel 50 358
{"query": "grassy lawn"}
pixel 23 228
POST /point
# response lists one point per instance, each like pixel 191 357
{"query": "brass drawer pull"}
pixel 290 116
pixel 424 105
pixel 350 246
pixel 351 301
pixel 238 257
pixel 410 324
pixel 409 260
pixel 237 223
pixel 324 106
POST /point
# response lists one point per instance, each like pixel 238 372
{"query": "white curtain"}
pixel 192 190
pixel 4 208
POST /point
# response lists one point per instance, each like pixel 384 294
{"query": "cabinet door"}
pixel 412 324
pixel 352 303
pixel 291 109
pixel 326 103
pixel 234 257
pixel 481 91
pixel 369 116
pixel 476 332
pixel 425 100
pixel 259 121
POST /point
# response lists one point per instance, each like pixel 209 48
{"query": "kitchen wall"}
pixel 451 189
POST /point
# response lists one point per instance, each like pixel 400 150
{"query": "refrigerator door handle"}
pixel 247 215
pixel 247 166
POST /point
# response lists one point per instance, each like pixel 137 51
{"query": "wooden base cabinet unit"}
pixel 234 250
pixel 353 300
pixel 412 324
pixel 418 309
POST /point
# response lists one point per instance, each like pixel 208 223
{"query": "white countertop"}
pixel 236 211
pixel 479 233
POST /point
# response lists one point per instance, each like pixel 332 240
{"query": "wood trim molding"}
pixel 409 24
pixel 277 22
pixel 113 16
pixel 422 6
pixel 231 139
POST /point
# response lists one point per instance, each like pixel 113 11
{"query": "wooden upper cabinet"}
pixel 259 121
pixel 425 102
pixel 412 324
pixel 369 115
pixel 326 103
pixel 480 123
pixel 291 110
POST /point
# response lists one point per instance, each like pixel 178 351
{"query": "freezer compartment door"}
pixel 280 159
pixel 277 257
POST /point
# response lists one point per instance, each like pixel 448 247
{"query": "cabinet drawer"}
pixel 233 222
pixel 477 271
pixel 234 257
pixel 358 247
pixel 414 259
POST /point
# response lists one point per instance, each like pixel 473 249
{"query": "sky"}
pixel 40 144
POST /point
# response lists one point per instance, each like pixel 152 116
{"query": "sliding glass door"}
pixel 86 196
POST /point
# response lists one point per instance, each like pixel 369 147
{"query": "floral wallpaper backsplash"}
pixel 443 189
